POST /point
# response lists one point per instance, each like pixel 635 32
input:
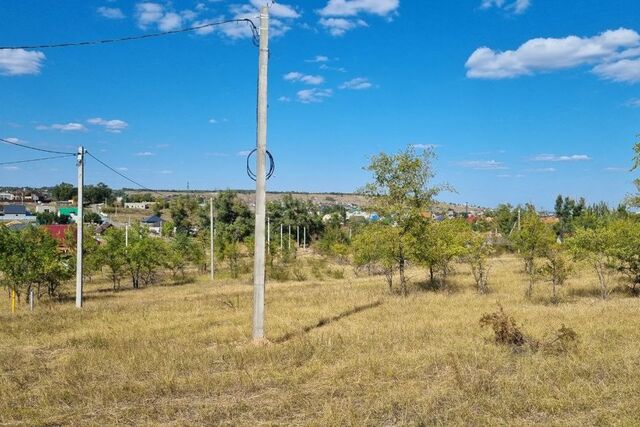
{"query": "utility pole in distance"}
pixel 79 225
pixel 261 178
pixel 211 235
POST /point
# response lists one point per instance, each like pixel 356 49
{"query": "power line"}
pixel 121 174
pixel 35 160
pixel 254 31
pixel 35 148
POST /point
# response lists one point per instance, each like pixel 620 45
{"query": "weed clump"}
pixel 507 332
pixel 505 328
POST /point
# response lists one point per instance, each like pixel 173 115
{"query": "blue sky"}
pixel 522 99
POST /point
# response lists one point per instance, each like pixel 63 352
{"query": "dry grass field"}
pixel 341 352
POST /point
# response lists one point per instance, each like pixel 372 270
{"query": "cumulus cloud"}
pixel 518 6
pixel 555 158
pixel 19 62
pixel 359 83
pixel 295 76
pixel 111 12
pixel 625 70
pixel 356 7
pixel 284 99
pixel 145 154
pixel 339 26
pixel 340 16
pixel 483 165
pixel 313 96
pixel 615 55
pixel 281 17
pixel 113 126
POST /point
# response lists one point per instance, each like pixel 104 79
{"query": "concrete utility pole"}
pixel 211 234
pixel 79 224
pixel 297 236
pixel 281 231
pixel 289 238
pixel 304 238
pixel 261 180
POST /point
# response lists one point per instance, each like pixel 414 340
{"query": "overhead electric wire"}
pixel 35 160
pixel 36 148
pixel 253 27
pixel 121 174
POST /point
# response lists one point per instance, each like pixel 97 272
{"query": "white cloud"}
pixel 170 21
pixel 633 102
pixel 625 70
pixel 111 12
pixel 278 10
pixel 11 168
pixel 615 169
pixel 355 7
pixel 425 146
pixel 11 140
pixel 145 154
pixel 295 76
pixel 610 52
pixel 359 83
pixel 312 96
pixel 149 13
pixel 67 127
pixel 284 99
pixel 166 172
pixel 518 6
pixel 339 26
pixel 279 23
pixel 213 121
pixel 318 58
pixel 483 165
pixel 216 154
pixel 123 169
pixel 19 62
pixel 113 126
pixel 555 158
pixel 543 170
pixel 244 153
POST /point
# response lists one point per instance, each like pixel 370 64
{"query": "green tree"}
pixel 112 253
pixel 436 245
pixel 594 245
pixel 532 241
pixel 143 256
pixel 625 251
pixel 46 218
pixel 401 191
pixel 477 253
pixel 99 193
pixel 557 267
pixel 377 245
pixel 29 259
pixel 63 191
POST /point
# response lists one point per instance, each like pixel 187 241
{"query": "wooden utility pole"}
pixel 261 180
pixel 79 224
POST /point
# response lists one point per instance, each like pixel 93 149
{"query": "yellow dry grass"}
pixel 181 355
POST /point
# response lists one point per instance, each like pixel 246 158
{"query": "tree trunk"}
pixel 403 280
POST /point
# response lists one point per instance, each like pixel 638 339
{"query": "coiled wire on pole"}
pixel 272 165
